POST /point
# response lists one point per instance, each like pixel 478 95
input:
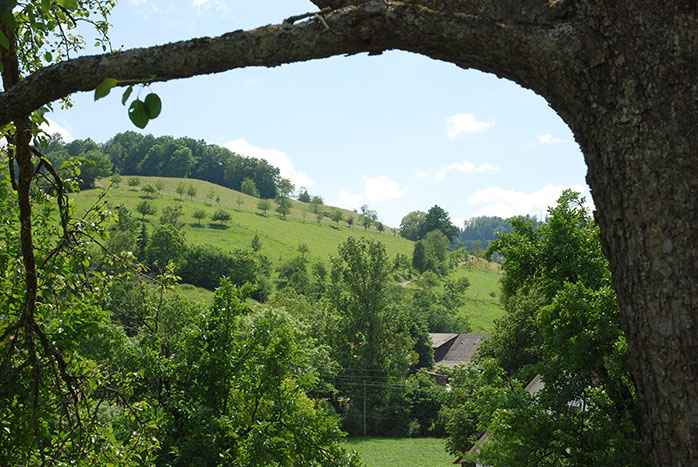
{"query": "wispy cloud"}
pixel 464 167
pixel 274 157
pixel 549 139
pixel 376 189
pixel 145 8
pixel 507 203
pixel 461 124
pixel 220 6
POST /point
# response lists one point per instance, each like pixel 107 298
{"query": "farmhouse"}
pixel 451 349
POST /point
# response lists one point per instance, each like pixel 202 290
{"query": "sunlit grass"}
pixel 279 237
pixel 391 452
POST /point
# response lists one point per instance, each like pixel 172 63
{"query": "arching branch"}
pixel 478 34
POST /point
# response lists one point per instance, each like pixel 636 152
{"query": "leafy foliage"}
pixel 557 293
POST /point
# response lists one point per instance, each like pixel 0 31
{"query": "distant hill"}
pixel 279 237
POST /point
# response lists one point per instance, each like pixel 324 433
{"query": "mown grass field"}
pixel 482 305
pixel 392 452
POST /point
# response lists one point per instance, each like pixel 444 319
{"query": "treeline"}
pixel 479 232
pixel 131 153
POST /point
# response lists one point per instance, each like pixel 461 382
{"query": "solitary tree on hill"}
pixel 146 208
pixel 264 205
pixel 181 189
pixel 116 179
pixel 191 191
pixel 149 189
pixel 220 215
pixel 199 214
pixel 283 206
pixel 336 216
pixel 133 182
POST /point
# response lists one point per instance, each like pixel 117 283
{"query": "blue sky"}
pixel 399 132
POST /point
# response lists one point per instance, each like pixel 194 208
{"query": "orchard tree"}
pixel 264 205
pixel 199 214
pixel 622 75
pixel 133 182
pixel 146 208
pixel 220 215
pixel 149 190
pixel 191 191
pixel 180 189
pixel 116 179
pixel 283 206
pixel 337 216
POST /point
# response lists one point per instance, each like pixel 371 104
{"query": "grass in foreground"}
pixel 390 452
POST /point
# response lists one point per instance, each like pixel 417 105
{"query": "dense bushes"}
pixel 204 266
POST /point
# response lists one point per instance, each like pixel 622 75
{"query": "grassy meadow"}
pixel 390 452
pixel 279 237
pixel 482 305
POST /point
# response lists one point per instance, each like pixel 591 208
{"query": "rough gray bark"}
pixel 623 75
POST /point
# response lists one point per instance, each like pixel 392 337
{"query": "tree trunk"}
pixel 623 75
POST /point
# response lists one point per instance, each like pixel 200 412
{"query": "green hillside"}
pixel 279 237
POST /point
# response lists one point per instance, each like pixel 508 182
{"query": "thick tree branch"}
pixel 468 33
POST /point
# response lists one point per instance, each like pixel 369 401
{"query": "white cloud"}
pixel 419 173
pixel 376 189
pixel 548 139
pixel 380 188
pixel 508 203
pixel 52 128
pixel 274 157
pixel 349 201
pixel 221 6
pixel 145 8
pixel 464 167
pixel 460 124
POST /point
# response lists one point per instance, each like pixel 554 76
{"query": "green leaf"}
pixel 48 57
pixel 45 6
pixel 138 114
pixel 4 41
pixel 153 104
pixel 104 88
pixel 68 4
pixel 127 94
